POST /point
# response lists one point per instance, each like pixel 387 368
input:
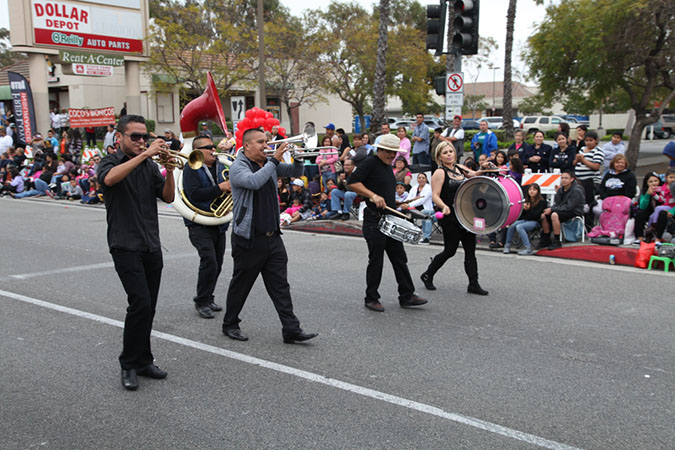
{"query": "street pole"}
pixel 494 71
pixel 261 57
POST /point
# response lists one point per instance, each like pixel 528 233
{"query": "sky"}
pixel 492 22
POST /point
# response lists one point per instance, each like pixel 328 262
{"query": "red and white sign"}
pixel 548 182
pixel 92 70
pixel 67 24
pixel 91 117
pixel 455 82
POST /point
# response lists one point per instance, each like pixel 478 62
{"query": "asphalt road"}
pixel 561 353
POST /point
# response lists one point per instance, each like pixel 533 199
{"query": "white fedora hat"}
pixel 389 142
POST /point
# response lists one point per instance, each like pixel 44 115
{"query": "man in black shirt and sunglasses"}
pixel 201 187
pixel 131 183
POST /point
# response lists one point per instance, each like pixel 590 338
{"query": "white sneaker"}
pixel 507 250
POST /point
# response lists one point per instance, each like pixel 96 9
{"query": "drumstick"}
pixel 396 212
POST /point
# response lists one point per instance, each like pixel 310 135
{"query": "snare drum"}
pixel 400 229
pixel 486 204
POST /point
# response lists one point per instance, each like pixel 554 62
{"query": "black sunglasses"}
pixel 138 136
pixel 206 147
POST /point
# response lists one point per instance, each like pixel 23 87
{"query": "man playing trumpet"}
pixel 131 183
pixel 257 247
pixel 202 186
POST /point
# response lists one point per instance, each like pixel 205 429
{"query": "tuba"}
pixel 205 107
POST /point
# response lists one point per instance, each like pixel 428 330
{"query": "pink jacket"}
pixel 404 151
pixel 330 159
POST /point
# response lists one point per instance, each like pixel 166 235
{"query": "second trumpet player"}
pixel 202 185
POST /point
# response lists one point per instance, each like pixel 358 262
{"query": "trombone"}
pixel 308 137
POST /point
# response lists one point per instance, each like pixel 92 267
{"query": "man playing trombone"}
pixel 204 184
pixel 257 247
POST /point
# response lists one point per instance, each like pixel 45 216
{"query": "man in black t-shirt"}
pixel 131 183
pixel 170 138
pixel 374 179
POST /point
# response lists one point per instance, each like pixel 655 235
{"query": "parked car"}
pixel 470 124
pixel 668 121
pixel 497 123
pixel 408 124
pixel 660 131
pixel 541 123
pixel 575 121
pixel 434 122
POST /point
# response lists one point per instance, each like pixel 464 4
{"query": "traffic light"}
pixel 439 85
pixel 465 38
pixel 436 26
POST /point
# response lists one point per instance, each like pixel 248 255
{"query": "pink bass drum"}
pixel 486 204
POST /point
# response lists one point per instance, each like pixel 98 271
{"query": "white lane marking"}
pixel 163 210
pixel 310 376
pixel 24 276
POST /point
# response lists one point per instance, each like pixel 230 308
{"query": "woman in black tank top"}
pixel 445 182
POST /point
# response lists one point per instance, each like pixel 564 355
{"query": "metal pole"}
pixel 261 57
pixel 494 71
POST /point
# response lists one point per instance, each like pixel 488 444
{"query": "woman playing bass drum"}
pixel 445 182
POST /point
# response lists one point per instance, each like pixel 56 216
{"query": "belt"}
pixel 267 234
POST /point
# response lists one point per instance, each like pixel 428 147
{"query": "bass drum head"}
pixel 481 205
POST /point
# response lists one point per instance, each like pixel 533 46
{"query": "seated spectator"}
pixel 471 164
pixel 94 194
pixel 435 140
pixel 618 180
pixel 321 210
pixel 109 150
pixel 669 151
pixel 305 198
pixel 519 146
pixel 562 157
pixel 342 193
pixel 533 208
pixel 500 159
pixel 568 203
pixel 664 214
pixel 20 158
pixel 401 194
pixel 650 198
pixel 366 143
pixel 402 171
pixel 40 185
pixel 613 148
pixel 359 152
pixel 16 185
pixel 537 156
pixel 516 169
pixel 314 186
pixel 424 204
pixel 284 194
pixel 71 191
pixel 667 193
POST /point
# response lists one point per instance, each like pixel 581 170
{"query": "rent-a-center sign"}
pixel 66 24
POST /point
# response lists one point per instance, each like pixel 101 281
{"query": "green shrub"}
pixel 608 137
pixel 150 125
pixel 550 134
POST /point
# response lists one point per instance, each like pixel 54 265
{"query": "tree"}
pixel 380 66
pixel 533 105
pixel 294 70
pixel 507 100
pixel 629 46
pixel 473 103
pixel 7 56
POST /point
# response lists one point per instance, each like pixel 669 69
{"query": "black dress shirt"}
pixel 379 178
pixel 131 205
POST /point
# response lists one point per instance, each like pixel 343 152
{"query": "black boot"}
pixel 474 288
pixel 545 241
pixel 428 281
pixel 556 242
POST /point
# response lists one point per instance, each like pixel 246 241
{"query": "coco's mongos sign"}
pixel 68 57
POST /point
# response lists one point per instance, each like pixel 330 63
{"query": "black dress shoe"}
pixel 414 301
pixel 476 289
pixel 152 371
pixel 235 333
pixel 215 307
pixel 375 306
pixel 129 379
pixel 428 281
pixel 299 337
pixel 204 312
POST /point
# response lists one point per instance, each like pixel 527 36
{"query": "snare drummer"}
pixel 374 179
pixel 445 182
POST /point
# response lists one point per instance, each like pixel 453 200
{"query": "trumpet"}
pixel 310 153
pixel 195 159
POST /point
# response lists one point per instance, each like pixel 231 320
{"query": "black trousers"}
pixel 453 234
pixel 641 219
pixel 140 273
pixel 266 256
pixel 210 244
pixel 378 244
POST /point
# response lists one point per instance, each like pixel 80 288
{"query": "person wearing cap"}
pixel 205 131
pixel 374 179
pixel 170 138
pixel 335 139
pixel 257 247
pixel 305 198
pixel 455 136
